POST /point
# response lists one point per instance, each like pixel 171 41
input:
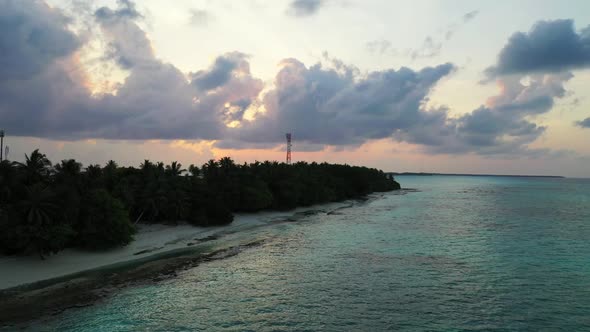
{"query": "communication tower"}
pixel 288 135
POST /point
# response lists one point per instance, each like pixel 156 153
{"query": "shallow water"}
pixel 462 253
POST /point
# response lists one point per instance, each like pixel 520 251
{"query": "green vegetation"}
pixel 45 208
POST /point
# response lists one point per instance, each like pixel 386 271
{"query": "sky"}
pixel 461 86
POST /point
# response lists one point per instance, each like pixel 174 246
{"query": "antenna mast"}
pixel 1 143
pixel 288 135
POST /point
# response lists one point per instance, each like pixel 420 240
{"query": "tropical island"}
pixel 45 208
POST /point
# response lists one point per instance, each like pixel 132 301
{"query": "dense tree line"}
pixel 45 208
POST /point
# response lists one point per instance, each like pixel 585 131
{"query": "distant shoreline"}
pixel 483 175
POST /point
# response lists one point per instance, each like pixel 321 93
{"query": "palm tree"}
pixel 9 179
pixel 93 177
pixel 111 165
pixel 227 164
pixel 36 167
pixel 38 206
pixel 70 167
pixel 210 169
pixel 160 167
pixel 110 171
pixel 152 198
pixel 68 170
pixel 93 171
pixel 174 169
pixel 194 170
pixel 146 165
pixel 69 187
pixel 39 212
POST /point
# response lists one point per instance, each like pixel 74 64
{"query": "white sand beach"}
pixel 149 240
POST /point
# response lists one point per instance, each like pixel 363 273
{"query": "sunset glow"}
pixel 419 90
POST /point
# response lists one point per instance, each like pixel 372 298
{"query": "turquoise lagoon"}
pixel 458 253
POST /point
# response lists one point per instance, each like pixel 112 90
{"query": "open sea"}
pixel 458 253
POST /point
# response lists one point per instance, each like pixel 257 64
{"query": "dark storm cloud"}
pixel 550 46
pixel 584 123
pixel 305 7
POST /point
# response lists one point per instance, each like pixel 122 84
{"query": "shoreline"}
pixel 150 242
pixel 22 306
pixel 44 297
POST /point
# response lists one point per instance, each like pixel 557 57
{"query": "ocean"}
pixel 451 253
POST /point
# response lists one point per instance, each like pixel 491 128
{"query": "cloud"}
pixel 337 106
pixel 32 36
pixel 466 18
pixel 160 102
pixel 128 44
pixel 549 47
pixel 584 123
pixel 429 49
pixel 156 101
pixel 199 17
pixel 45 93
pixel 35 76
pixel 431 45
pixel 470 16
pixel 503 124
pixel 221 71
pixel 126 10
pixel 542 60
pixel 381 46
pixel 302 8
